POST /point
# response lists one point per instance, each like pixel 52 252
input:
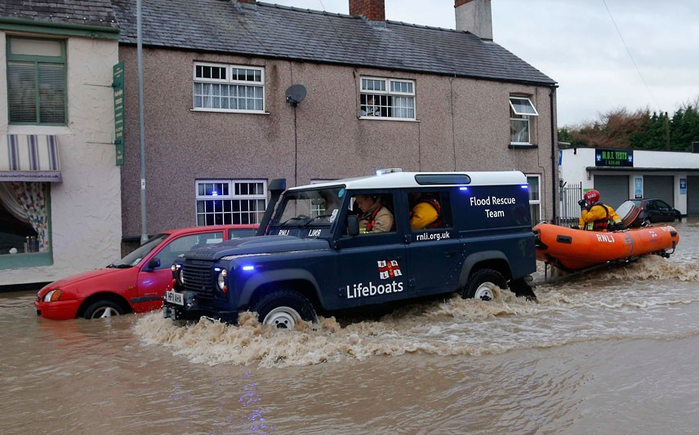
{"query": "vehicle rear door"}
pixel 434 254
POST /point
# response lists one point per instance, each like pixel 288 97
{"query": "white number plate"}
pixel 174 297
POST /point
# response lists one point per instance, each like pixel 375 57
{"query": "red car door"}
pixel 154 276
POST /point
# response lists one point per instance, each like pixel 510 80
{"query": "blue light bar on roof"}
pixel 388 171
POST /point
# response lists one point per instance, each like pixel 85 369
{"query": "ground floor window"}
pixel 534 182
pixel 24 218
pixel 225 202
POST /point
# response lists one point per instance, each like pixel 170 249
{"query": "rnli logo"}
pixel 605 238
pixel 389 269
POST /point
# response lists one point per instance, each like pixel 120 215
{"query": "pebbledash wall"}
pixel 671 175
pixel 461 124
pixel 85 208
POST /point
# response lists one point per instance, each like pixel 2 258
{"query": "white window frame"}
pixel 253 216
pixel 521 116
pixel 229 83
pixel 389 97
pixel 537 201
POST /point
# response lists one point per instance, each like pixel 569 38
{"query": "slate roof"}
pixel 84 12
pixel 274 31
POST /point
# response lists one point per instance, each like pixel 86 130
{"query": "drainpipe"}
pixel 554 178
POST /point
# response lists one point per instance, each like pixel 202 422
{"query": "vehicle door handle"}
pixel 450 254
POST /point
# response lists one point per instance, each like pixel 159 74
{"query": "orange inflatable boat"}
pixel 571 249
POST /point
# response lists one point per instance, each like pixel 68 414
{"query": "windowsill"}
pixel 19 261
pixel 386 118
pixel 243 112
pixel 522 146
pixel 37 129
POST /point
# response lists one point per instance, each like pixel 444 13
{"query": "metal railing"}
pixel 569 210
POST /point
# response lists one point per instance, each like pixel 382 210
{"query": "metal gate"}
pixel 569 210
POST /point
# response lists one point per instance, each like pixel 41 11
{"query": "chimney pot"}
pixel 372 10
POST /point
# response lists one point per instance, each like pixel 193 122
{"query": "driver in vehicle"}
pixel 375 217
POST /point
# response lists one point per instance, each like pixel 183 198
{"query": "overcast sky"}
pixel 651 61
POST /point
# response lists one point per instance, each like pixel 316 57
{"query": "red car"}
pixel 136 283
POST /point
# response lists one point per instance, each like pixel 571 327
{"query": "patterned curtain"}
pixel 9 201
pixel 32 199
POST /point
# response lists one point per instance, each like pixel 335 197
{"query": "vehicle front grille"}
pixel 199 278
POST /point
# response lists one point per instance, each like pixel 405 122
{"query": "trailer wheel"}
pixel 484 284
pixel 284 309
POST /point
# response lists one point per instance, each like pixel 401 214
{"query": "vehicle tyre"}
pixel 484 284
pixel 646 222
pixel 103 309
pixel 284 309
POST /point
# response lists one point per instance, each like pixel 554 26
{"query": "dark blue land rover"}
pixel 314 253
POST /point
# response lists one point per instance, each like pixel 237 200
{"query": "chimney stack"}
pixel 372 10
pixel 474 16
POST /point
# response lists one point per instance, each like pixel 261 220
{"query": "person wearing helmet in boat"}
pixel 595 216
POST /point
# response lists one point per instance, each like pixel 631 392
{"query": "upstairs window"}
pixel 387 98
pixel 225 202
pixel 36 81
pixel 522 112
pixel 229 88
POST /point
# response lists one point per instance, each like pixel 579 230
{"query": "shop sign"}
pixel 615 158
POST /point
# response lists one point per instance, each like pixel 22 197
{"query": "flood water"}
pixel 614 352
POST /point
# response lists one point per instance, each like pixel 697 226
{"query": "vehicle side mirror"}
pixel 352 225
pixel 153 264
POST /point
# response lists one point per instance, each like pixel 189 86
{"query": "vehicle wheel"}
pixel 284 309
pixel 645 222
pixel 484 284
pixel 103 309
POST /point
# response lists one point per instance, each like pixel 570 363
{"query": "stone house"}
pixel 241 92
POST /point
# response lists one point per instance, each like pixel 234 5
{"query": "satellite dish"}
pixel 295 94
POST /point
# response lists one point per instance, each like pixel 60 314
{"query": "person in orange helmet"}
pixel 595 216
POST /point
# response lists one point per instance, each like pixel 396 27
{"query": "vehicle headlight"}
pixel 53 295
pixel 177 273
pixel 222 279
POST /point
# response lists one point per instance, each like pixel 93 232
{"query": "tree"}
pixel 641 129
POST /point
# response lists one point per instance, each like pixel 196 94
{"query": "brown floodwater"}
pixel 613 352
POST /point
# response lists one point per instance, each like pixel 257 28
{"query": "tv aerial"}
pixel 295 94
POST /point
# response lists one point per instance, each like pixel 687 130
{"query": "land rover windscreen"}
pixel 312 213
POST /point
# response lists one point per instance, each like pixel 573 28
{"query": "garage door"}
pixel 613 188
pixel 693 196
pixel 659 186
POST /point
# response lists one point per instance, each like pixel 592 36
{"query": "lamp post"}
pixel 141 124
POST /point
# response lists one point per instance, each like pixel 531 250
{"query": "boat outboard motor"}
pixel 628 211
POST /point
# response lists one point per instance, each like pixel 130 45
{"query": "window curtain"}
pixel 32 200
pixel 9 201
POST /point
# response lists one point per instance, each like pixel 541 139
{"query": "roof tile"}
pixel 286 32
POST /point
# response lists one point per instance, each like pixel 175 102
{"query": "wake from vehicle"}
pixel 651 298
